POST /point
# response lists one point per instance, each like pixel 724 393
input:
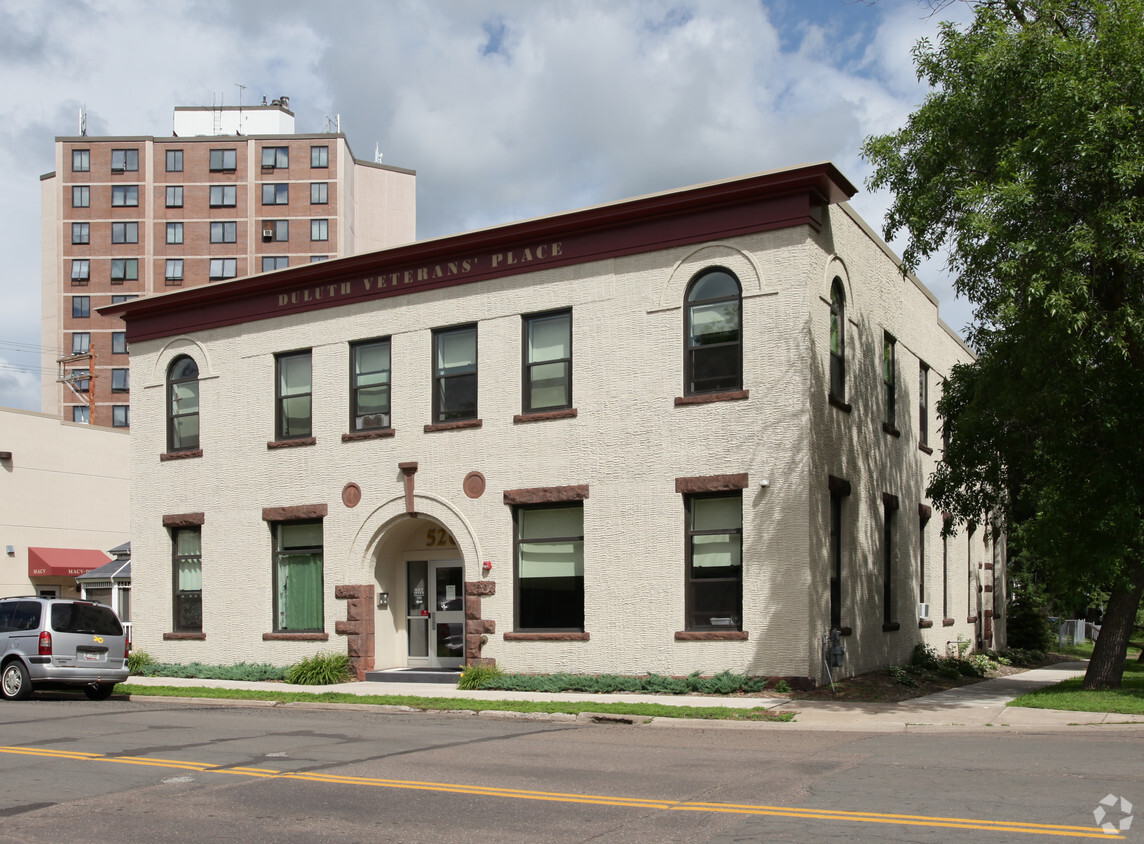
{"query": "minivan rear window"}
pixel 85 618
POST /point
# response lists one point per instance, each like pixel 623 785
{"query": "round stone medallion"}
pixel 474 485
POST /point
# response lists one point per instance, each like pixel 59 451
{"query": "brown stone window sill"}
pixel 544 416
pixel 925 623
pixel 379 434
pixel 846 631
pixel 708 398
pixel 891 430
pixel 184 637
pixel 892 627
pixel 947 622
pixel 925 448
pixel 971 620
pixel 570 636
pixel 453 426
pixel 180 455
pixel 291 443
pixel 295 637
pixel 711 635
pixel 844 406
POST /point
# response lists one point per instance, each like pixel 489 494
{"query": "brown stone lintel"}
pixel 197 636
pixel 925 448
pixel 477 588
pixel 544 416
pixel 294 514
pixel 453 426
pixel 925 623
pixel 891 627
pixel 379 434
pixel 295 637
pixel 711 635
pixel 989 566
pixel 947 622
pixel 546 494
pixel 711 483
pixel 546 637
pixel 178 520
pixel 891 430
pixel 845 407
pixel 708 398
pixel 838 486
pixel 889 501
pixel 924 512
pixel 347 628
pixel 180 455
pixel 481 625
pixel 291 443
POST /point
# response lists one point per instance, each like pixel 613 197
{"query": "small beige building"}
pixel 64 501
pixel 684 432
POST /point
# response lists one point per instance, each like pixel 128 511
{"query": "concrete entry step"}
pixel 414 675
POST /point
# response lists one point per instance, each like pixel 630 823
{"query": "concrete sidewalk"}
pixel 974 707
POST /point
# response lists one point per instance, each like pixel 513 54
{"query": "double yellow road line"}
pixel 589 799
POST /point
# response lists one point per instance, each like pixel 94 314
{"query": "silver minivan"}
pixel 53 643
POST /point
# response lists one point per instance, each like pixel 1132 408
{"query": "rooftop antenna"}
pixel 377 152
pixel 240 88
pixel 83 120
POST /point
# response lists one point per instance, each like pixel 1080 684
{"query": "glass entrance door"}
pixel 435 613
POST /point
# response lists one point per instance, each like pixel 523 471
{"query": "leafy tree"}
pixel 1026 164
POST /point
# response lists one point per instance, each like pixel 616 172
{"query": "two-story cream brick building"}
pixel 685 432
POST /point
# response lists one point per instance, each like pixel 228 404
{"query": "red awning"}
pixel 63 562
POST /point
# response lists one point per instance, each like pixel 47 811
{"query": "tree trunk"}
pixel 1106 667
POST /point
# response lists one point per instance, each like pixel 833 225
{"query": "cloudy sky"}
pixel 506 109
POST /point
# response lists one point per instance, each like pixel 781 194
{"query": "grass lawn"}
pixel 1068 695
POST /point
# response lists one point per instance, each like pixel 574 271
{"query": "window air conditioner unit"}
pixel 115 169
pixel 268 234
pixel 373 421
pixel 923 610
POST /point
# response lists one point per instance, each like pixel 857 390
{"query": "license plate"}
pixel 97 657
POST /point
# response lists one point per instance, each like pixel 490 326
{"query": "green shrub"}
pixel 321 669
pixel 902 677
pixel 782 687
pixel 949 667
pixel 477 676
pixel 925 657
pixel 239 671
pixel 723 683
pixel 1027 628
pixel 138 660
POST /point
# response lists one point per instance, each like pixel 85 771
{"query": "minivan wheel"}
pixel 14 681
pixel 102 691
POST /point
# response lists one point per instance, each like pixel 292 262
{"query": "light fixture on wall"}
pixel 763 484
pixel 10 550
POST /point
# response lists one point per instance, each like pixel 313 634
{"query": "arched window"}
pixel 183 405
pixel 713 329
pixel 837 341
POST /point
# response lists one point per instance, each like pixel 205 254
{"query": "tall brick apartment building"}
pixel 233 192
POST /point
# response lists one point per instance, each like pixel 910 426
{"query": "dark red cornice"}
pixel 762 202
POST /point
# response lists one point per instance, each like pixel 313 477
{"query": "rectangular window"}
pixel 888 380
pixel 80 379
pixel 80 271
pixel 369 385
pixel 275 230
pixel 922 521
pixel 222 160
pixel 275 194
pixel 81 196
pixel 81 160
pixel 174 161
pixel 944 570
pixel 119 298
pixel 714 579
pixel 315 259
pixel 547 362
pixel 319 156
pixel 174 232
pixel 120 416
pixel 81 307
pixel 224 232
pixel 455 374
pixel 319 230
pixel 223 196
pixel 81 414
pixel 298 577
pixel 888 610
pixel 124 232
pixel 923 405
pixel 187 564
pixel 294 396
pixel 549 552
pixel 124 160
pixel 174 196
pixel 836 562
pixel 81 342
pixel 274 262
pixel 124 196
pixel 124 269
pixel 119 342
pixel 223 268
pixel 174 269
pixel 81 233
pixel 120 380
pixel 276 157
pixel 319 193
